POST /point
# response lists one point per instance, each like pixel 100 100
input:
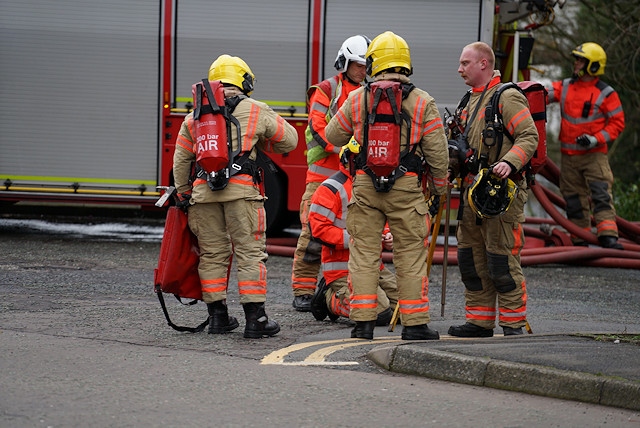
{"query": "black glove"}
pixel 183 200
pixel 588 141
pixel 434 206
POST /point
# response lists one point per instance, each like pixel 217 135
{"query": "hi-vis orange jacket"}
pixel 261 127
pixel 592 108
pixel 324 100
pixel 328 222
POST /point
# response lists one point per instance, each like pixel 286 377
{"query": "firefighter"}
pixel 323 101
pixel 490 242
pixel 592 118
pixel 327 220
pixel 214 215
pixel 403 206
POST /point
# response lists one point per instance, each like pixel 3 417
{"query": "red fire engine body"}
pixel 98 123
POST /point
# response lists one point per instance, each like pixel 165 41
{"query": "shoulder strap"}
pixel 465 99
pixel 494 105
pixel 197 329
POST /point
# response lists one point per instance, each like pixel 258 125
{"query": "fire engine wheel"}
pixel 276 204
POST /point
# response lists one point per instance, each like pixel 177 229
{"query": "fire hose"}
pixel 552 237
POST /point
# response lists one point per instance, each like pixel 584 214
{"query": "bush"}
pixel 627 200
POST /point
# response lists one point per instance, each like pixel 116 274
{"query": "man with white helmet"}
pixel 592 118
pixel 323 101
pixel 213 214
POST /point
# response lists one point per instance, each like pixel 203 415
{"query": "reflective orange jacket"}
pixel 324 100
pixel 592 108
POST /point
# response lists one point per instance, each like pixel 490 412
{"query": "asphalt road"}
pixel 84 342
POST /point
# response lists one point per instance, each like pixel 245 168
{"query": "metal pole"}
pixel 445 256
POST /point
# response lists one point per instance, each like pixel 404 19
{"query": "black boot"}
pixel 258 324
pixel 384 317
pixel 610 242
pixel 470 330
pixel 363 330
pixel 219 320
pixel 302 303
pixel 512 331
pixel 419 332
pixel 318 305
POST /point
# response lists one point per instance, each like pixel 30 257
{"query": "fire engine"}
pixel 93 93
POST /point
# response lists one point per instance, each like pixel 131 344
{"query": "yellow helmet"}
pixel 490 195
pixel 595 56
pixel 234 71
pixel 351 148
pixel 388 51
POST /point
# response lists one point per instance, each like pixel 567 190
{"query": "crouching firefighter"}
pixel 490 233
pixel 395 123
pixel 218 182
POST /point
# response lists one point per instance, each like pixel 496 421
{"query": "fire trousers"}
pixel 585 183
pixel 306 259
pixel 405 209
pixel 489 263
pixel 220 235
pixel 338 296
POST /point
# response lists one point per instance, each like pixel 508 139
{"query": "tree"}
pixel 614 25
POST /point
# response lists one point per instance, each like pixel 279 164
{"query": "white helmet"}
pixel 352 49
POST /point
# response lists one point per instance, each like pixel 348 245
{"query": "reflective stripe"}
pixel 334 266
pixel 252 287
pixel 304 283
pixel 344 200
pixel 518 240
pixel 480 313
pixel 338 307
pixel 517 119
pixel 413 306
pixel 343 122
pixel 520 153
pixel 432 126
pixel 513 315
pixel 329 215
pixel 606 225
pixel 320 170
pixel 418 112
pixel 250 131
pixel 364 301
pixel 214 285
pixel 277 136
pixel 319 107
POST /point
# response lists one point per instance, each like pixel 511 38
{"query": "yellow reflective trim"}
pixel 94 191
pixel 78 180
